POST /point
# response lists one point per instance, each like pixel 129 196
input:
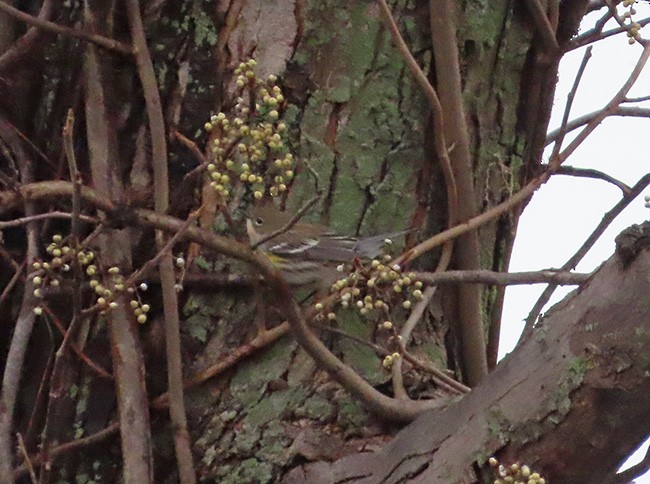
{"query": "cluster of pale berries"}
pixel 51 273
pixel 634 27
pixel 373 290
pixel 515 474
pixel 250 143
pixel 647 201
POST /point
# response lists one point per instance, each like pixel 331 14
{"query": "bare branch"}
pixel 477 221
pixel 596 34
pixel 44 216
pixel 147 76
pixel 569 102
pixel 503 278
pixel 68 447
pixel 61 30
pixel 609 108
pixel 624 111
pixel 591 173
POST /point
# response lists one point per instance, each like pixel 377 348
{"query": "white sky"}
pixel 566 210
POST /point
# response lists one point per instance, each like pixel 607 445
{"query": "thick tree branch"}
pixel 440 143
pixel 503 278
pixel 467 313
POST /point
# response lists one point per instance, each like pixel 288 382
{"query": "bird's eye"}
pixel 259 220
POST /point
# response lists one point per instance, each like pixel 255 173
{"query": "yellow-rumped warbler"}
pixel 307 254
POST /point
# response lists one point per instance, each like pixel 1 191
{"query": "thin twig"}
pixel 75 178
pixel 434 103
pixel 12 282
pixel 569 102
pixel 61 30
pixel 475 222
pixel 28 462
pixel 639 99
pixel 624 111
pixel 148 266
pixel 595 34
pixel 621 22
pixel 62 449
pixel 404 338
pixel 43 216
pixel 75 347
pixel 191 145
pixel 591 173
